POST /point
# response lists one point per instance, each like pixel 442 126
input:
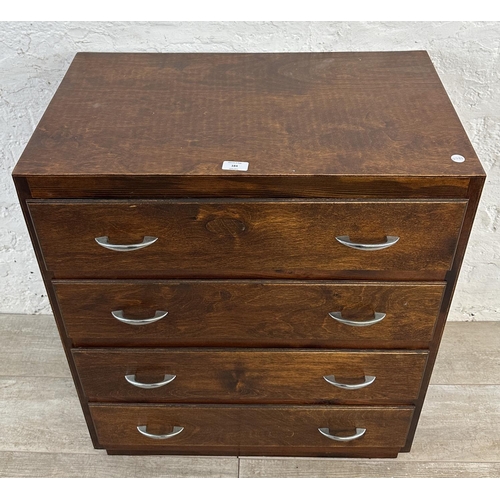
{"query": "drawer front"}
pixel 245 239
pixel 249 313
pixel 250 376
pixel 260 428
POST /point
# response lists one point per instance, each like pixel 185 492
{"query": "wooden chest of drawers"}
pixel 250 253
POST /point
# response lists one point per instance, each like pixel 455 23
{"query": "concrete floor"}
pixel 43 433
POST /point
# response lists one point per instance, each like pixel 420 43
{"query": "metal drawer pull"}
pixel 369 379
pixel 143 430
pixel 369 247
pixel 326 432
pixel 337 316
pixel 146 241
pixel 166 380
pixel 158 315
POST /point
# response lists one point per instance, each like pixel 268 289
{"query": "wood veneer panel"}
pixel 250 375
pixel 306 186
pixel 271 429
pixel 253 238
pixel 249 313
pixel 344 125
pixel 363 113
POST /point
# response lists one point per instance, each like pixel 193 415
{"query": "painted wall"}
pixel 35 56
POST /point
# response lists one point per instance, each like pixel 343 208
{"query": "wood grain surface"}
pixel 249 313
pixel 250 375
pixel 257 467
pixel 43 413
pixel 269 429
pixel 56 464
pixel 286 114
pixel 475 190
pixel 355 144
pixel 250 186
pixel 469 354
pixel 458 422
pixel 44 433
pixel 283 239
pixel 31 347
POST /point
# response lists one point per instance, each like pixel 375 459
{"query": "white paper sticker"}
pixel 242 166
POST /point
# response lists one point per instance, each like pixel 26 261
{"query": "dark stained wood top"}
pixel 287 114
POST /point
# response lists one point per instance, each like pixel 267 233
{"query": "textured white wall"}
pixel 35 56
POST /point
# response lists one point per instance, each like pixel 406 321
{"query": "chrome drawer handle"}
pixel 143 430
pixel 326 432
pixel 337 316
pixel 146 241
pixel 166 380
pixel 369 247
pixel 158 315
pixel 369 379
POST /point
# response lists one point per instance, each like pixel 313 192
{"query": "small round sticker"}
pixel 458 158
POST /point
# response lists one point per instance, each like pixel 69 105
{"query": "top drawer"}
pixel 234 238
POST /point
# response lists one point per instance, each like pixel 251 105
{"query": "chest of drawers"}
pixel 290 301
